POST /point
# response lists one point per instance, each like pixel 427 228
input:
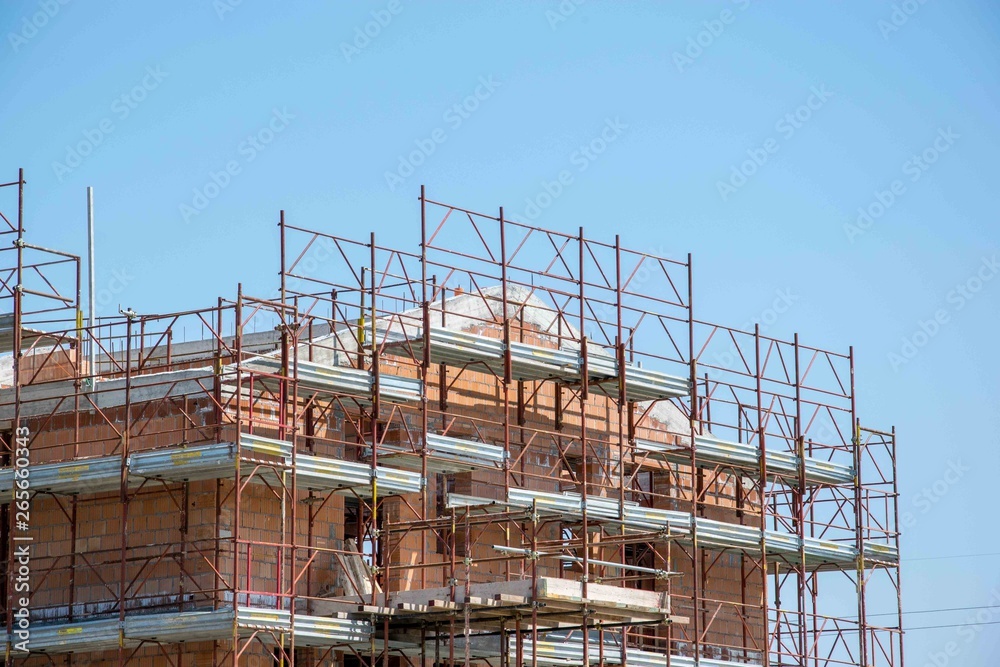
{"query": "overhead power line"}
pixel 956 625
pixel 995 553
pixel 936 611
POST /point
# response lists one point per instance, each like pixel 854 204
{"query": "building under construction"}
pixel 499 445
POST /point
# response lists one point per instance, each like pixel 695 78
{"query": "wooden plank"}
pixel 498 600
pixel 442 604
pixel 375 609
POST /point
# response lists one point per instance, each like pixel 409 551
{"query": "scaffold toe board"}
pixel 641 384
pixel 711 452
pixel 535 362
pixel 187 464
pixel 445 454
pixel 329 631
pixel 74 637
pixel 195 626
pixel 318 473
pixel 457 348
pixel 96 475
pixel 214 461
pixel 474 505
pixel 341 380
pixel 29 337
pixel 566 648
pixel 177 464
pixel 818 553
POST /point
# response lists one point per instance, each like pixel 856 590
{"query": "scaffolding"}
pixel 514 446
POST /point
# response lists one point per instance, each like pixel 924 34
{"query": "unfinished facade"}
pixel 511 446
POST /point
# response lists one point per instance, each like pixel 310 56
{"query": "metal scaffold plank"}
pixel 711 451
pixel 339 380
pixel 445 454
pixel 196 626
pixel 820 553
pixel 567 650
pixel 213 461
pixel 535 362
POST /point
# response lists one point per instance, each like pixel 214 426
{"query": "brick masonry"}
pixel 178 534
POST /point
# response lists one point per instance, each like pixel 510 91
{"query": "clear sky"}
pixel 748 133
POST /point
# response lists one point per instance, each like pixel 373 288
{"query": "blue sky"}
pixel 745 132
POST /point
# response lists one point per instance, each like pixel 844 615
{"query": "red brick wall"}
pixel 161 543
